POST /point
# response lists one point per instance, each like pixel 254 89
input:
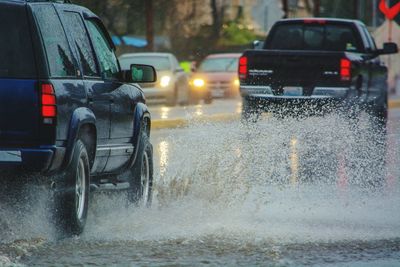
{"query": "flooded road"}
pixel 282 192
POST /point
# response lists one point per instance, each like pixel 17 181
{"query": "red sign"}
pixel 390 12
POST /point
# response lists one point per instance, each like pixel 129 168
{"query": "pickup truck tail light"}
pixel 345 69
pixel 48 103
pixel 243 67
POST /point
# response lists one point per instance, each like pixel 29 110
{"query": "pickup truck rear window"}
pixel 219 65
pixel 326 37
pixel 16 53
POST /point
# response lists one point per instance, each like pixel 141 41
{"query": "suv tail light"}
pixel 243 67
pixel 345 69
pixel 48 103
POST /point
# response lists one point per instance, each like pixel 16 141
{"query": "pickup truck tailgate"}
pixel 294 68
pixel 19 112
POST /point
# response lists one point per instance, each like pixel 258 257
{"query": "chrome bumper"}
pixel 318 93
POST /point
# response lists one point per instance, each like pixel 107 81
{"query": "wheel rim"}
pixel 80 189
pixel 145 178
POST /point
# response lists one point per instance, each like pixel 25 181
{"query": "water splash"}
pixel 278 179
pixel 284 180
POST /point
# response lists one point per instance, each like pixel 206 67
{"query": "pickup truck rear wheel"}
pixel 71 197
pixel 249 110
pixel 141 176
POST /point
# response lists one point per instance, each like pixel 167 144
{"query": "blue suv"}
pixel 67 111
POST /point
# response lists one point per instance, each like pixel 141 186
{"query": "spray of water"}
pixel 282 180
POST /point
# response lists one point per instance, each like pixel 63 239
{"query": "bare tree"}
pixel 217 12
pixel 150 24
pixel 285 7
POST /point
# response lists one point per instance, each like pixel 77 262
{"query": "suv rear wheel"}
pixel 71 197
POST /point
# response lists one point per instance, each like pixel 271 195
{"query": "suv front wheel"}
pixel 141 173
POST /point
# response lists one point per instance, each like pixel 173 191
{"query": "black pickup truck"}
pixel 315 63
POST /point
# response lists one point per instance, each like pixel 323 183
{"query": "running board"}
pixel 109 186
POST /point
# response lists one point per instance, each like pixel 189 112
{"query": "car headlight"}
pixel 165 80
pixel 236 82
pixel 198 82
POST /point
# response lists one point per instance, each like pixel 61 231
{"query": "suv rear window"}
pixel 59 55
pixel 327 37
pixel 16 52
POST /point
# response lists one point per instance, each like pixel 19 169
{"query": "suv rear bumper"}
pixel 45 159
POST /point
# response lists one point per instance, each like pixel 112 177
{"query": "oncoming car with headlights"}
pixel 173 83
pixel 217 75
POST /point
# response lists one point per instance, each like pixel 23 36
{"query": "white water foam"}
pixel 292 180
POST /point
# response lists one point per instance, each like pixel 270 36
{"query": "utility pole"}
pixel 285 7
pixel 374 15
pixel 149 24
pixel 317 6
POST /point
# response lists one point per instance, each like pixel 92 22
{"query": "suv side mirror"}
pixel 142 74
pixel 257 44
pixel 388 48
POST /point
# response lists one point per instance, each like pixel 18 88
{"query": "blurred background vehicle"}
pixel 172 86
pixel 217 73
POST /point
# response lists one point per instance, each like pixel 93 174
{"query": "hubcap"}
pixel 80 189
pixel 145 178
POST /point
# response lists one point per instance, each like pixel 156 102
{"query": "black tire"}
pixel 71 196
pixel 381 116
pixel 250 111
pixel 141 174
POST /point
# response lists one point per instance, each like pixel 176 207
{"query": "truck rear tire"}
pixel 250 111
pixel 141 176
pixel 71 196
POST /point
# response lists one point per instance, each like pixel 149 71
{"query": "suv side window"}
pixel 105 54
pixel 76 29
pixel 58 52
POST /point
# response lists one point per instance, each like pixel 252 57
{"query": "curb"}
pixel 223 117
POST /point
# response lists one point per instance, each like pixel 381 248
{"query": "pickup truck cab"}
pixel 67 111
pixel 315 63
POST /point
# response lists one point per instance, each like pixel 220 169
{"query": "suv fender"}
pixel 141 115
pixel 81 116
